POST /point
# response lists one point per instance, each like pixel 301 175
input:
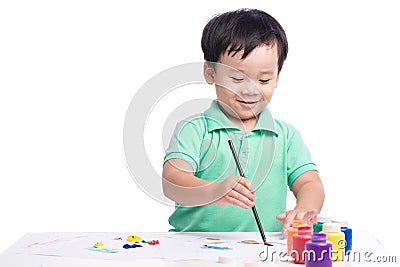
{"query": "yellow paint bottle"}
pixel 336 236
pixel 292 231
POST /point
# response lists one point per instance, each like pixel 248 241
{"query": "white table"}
pixel 175 249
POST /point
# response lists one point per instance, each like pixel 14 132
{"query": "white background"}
pixel 69 69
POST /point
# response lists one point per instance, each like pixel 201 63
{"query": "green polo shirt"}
pixel 272 156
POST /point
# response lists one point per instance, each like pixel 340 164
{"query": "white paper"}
pixel 172 247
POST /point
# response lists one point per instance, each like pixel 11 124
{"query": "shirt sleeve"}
pixel 298 158
pixel 185 143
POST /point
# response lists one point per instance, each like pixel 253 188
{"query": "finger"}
pixel 281 217
pixel 288 220
pixel 236 202
pixel 242 198
pixel 300 214
pixel 239 180
pixel 232 181
pixel 235 189
pixel 244 191
pixel 246 183
pixel 311 216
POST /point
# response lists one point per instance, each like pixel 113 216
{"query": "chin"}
pixel 248 117
pixel 251 114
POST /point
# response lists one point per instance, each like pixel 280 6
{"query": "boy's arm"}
pixel 309 193
pixel 180 185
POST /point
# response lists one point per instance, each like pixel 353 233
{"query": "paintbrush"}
pixel 239 167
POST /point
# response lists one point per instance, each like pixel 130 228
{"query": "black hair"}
pixel 242 29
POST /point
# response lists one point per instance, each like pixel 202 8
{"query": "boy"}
pixel 244 52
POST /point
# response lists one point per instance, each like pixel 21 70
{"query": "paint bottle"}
pixel 318 251
pixel 348 234
pixel 324 219
pixel 299 241
pixel 291 231
pixel 317 227
pixel 336 236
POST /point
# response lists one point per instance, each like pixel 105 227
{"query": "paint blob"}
pixel 216 247
pixel 252 242
pixel 103 250
pixel 99 244
pixel 213 238
pixel 133 238
pixel 153 242
pixel 127 246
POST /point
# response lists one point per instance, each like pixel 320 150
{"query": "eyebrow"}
pixel 261 72
pixel 267 72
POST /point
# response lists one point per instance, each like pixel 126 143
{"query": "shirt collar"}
pixel 216 119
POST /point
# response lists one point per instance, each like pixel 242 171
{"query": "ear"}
pixel 209 73
pixel 277 80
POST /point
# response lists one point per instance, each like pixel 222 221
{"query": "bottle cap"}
pixel 305 230
pixel 317 227
pixel 297 223
pixel 318 237
pixel 324 219
pixel 342 223
pixel 331 227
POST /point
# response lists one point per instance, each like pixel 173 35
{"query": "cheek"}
pixel 223 92
pixel 268 91
pixel 218 92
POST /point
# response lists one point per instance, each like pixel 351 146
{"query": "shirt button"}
pixel 240 137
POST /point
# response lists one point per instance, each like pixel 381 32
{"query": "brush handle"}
pixel 239 167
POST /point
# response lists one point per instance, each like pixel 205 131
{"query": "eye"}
pixel 237 79
pixel 264 81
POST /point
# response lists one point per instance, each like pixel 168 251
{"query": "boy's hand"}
pixel 235 190
pixel 310 216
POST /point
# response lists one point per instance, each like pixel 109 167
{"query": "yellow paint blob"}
pixel 133 238
pixel 99 244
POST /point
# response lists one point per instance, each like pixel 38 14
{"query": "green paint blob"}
pixel 103 250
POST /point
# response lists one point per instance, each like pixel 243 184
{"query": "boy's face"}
pixel 245 86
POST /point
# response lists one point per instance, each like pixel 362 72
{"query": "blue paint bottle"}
pixel 348 234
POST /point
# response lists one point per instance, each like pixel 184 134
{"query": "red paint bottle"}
pixel 299 242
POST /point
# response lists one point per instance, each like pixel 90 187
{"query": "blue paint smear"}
pixel 127 246
pixel 215 247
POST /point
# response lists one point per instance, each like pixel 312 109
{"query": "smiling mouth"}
pixel 247 102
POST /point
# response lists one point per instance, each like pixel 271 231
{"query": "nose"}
pixel 249 88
